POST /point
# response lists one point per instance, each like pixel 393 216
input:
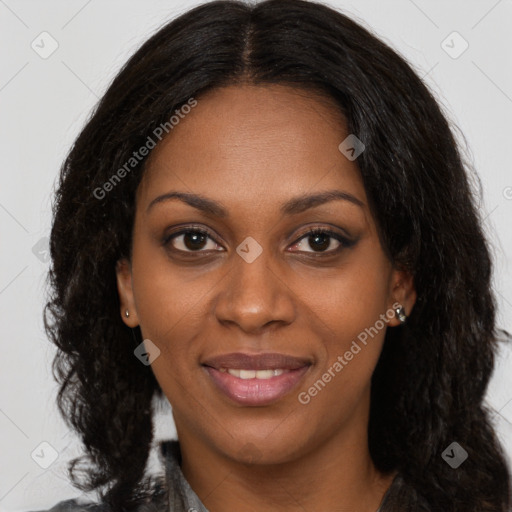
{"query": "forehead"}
pixel 245 142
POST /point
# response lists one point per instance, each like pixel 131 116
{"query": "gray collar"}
pixel 181 496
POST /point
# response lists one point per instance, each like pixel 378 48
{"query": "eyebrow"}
pixel 291 207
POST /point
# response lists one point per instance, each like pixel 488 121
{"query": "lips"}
pixel 266 361
pixel 256 380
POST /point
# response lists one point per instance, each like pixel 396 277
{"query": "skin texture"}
pixel 253 148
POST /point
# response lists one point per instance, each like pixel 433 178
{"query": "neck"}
pixel 336 475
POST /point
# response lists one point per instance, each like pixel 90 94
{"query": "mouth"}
pixel 256 380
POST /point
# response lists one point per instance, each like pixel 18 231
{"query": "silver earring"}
pixel 126 313
pixel 400 314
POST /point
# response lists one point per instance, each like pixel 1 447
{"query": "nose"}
pixel 253 296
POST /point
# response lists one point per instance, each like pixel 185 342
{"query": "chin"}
pixel 253 450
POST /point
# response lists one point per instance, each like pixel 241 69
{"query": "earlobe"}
pixel 125 291
pixel 403 297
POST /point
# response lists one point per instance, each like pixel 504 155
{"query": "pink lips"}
pixel 254 391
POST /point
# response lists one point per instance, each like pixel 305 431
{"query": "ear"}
pixel 402 293
pixel 125 290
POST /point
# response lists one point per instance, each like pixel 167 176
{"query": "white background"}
pixel 44 103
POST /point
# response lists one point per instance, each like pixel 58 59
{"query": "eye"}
pixel 321 240
pixel 317 241
pixel 192 240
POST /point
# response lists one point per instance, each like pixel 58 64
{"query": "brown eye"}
pixel 192 240
pixel 321 241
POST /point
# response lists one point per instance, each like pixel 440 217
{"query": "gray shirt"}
pixel 179 495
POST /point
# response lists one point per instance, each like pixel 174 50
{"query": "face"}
pixel 253 236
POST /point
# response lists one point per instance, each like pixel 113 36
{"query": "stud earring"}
pixel 126 313
pixel 400 314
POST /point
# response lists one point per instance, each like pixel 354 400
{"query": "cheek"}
pixel 351 298
pixel 350 307
pixel 171 308
pixel 169 300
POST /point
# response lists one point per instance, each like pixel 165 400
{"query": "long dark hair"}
pixel 429 384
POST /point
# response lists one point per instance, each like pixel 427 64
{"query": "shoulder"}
pixel 169 492
pixel 75 506
pixel 403 496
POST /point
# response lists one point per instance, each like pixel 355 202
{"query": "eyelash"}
pixel 344 241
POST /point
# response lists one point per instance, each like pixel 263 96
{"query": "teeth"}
pixel 246 374
pixel 253 374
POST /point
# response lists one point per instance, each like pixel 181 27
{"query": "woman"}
pixel 267 222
